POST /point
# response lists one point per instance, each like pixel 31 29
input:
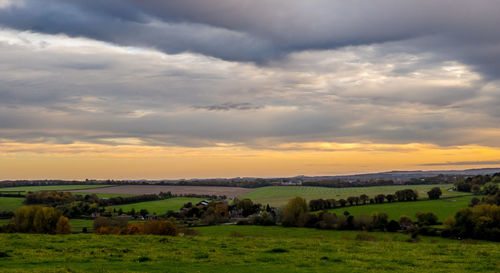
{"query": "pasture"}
pixel 442 208
pixel 246 249
pixel 10 203
pixel 78 224
pixel 155 189
pixel 53 188
pixel 159 206
pixel 279 195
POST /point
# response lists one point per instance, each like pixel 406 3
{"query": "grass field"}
pixel 160 206
pixel 245 249
pixel 279 195
pixel 78 224
pixel 10 203
pixel 52 188
pixel 106 195
pixel 443 208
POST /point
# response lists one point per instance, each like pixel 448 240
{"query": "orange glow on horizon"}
pixel 126 161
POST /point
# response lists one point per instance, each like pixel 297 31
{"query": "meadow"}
pixel 442 208
pixel 53 188
pixel 279 195
pixel 159 206
pixel 10 203
pixel 246 249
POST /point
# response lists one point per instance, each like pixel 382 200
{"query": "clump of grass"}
pixel 4 254
pixel 469 242
pixel 365 237
pixel 278 250
pixel 201 255
pixel 143 259
pixel 237 234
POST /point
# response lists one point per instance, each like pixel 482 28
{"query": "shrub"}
pixel 63 226
pixel 157 227
pixel 380 220
pixel 405 222
pixel 426 218
pixel 363 222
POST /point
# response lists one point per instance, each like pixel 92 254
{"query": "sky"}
pixel 163 89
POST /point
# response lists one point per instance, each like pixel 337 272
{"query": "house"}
pixel 151 216
pixel 202 203
pixel 291 183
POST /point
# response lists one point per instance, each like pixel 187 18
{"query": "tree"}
pixel 342 202
pixel 490 188
pixel 390 198
pixel 35 219
pixel 427 218
pixel 351 200
pixel 363 198
pixel 379 199
pixel 434 193
pixel 463 186
pixel 246 205
pixel 476 189
pixel 474 201
pixel 293 210
pixel 63 226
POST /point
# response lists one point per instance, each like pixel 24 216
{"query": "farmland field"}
pixel 78 224
pixel 10 203
pixel 279 195
pixel 153 189
pixel 159 206
pixel 245 249
pixel 442 208
pixel 52 188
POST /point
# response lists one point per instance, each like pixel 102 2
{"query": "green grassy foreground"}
pixel 53 188
pixel 442 208
pixel 279 195
pixel 159 206
pixel 245 249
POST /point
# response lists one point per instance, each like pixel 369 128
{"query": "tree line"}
pixel 398 196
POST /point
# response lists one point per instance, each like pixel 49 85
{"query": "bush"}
pixel 63 226
pixel 405 222
pixel 380 220
pixel 363 222
pixel 155 227
pixel 427 218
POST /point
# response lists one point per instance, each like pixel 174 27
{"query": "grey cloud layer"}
pixel 260 31
pixel 49 94
pixel 285 71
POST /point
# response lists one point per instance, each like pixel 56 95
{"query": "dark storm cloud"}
pixel 260 31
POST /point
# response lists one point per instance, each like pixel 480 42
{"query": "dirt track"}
pixel 151 189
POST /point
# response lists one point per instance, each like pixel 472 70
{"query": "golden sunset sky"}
pixel 200 89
